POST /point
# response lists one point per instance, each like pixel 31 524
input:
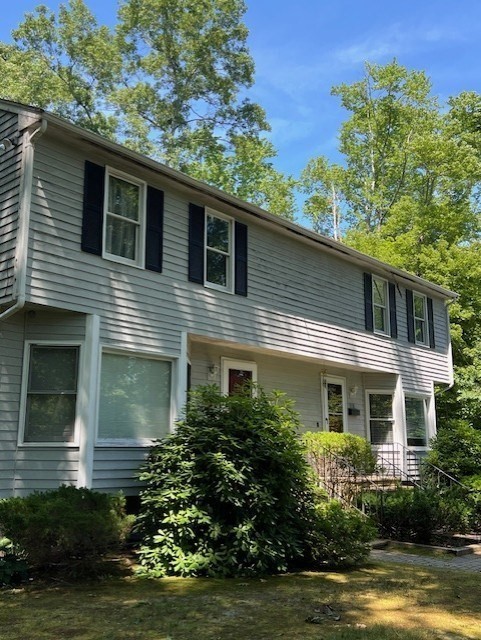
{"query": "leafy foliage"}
pixel 172 88
pixel 340 537
pixel 228 493
pixel 456 449
pixel 355 450
pixel 13 568
pixel 67 529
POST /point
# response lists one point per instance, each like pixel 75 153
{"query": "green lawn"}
pixel 379 602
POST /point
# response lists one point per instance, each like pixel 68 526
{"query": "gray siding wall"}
pixel 301 300
pixel 10 169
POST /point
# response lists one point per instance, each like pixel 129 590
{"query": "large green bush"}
pixel 229 492
pixel 354 450
pixel 456 449
pixel 67 529
pixel 340 537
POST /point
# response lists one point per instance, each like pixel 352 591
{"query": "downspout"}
pixel 25 199
pixel 450 384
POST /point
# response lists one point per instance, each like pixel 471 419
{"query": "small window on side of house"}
pixel 420 318
pixel 218 251
pixel 51 394
pixel 416 421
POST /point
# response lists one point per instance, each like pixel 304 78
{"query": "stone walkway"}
pixel 471 562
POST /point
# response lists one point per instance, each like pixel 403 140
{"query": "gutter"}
pixel 25 199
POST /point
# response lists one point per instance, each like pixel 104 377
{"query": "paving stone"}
pixel 471 563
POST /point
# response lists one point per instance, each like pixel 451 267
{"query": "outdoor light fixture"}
pixel 6 144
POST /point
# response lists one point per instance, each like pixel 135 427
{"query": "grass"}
pixel 379 602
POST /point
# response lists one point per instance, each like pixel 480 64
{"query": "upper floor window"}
pixel 380 305
pixel 124 219
pixel 420 318
pixel 51 394
pixel 218 251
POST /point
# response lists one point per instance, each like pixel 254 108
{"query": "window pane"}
pixel 415 422
pixel 419 307
pixel 134 397
pixel 379 292
pixel 53 368
pixel 381 431
pixel 217 268
pixel 121 238
pixel 237 379
pixel 124 198
pixel 218 233
pixel 50 418
pixel 379 319
pixel 380 405
pixel 335 407
pixel 420 331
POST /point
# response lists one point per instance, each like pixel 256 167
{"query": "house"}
pixel 123 283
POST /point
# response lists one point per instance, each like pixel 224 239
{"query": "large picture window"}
pixel 381 418
pixel 135 398
pixel 124 219
pixel 51 395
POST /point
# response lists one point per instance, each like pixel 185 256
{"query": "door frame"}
pixel 338 380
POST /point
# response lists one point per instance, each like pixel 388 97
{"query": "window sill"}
pixel 49 445
pixel 125 444
pixel 217 287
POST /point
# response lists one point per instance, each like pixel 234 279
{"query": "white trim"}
pixel 429 432
pixel 24 392
pixel 229 288
pixel 242 365
pixel 131 442
pixel 325 381
pixel 88 401
pixel 140 245
pixel 180 398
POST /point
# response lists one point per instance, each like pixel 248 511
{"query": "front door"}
pixel 334 404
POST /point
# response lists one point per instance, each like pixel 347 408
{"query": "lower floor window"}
pixel 135 397
pixel 416 421
pixel 381 418
pixel 51 393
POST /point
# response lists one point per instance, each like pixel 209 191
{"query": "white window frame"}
pixel 325 401
pixel 242 365
pixel 24 392
pixel 134 442
pixel 229 288
pixel 381 392
pixel 140 245
pixel 427 418
pixel 387 331
pixel 425 342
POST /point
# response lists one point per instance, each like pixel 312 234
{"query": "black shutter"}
pixel 240 259
pixel 93 208
pixel 392 310
pixel 410 312
pixel 432 342
pixel 196 243
pixel 154 229
pixel 368 302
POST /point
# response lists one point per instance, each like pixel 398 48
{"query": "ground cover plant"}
pixel 383 602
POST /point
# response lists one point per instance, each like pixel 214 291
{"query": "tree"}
pixel 171 89
pixel 408 192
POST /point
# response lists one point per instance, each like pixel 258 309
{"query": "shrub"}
pixel 13 568
pixel 456 449
pixel 67 529
pixel 229 492
pixel 355 450
pixel 340 537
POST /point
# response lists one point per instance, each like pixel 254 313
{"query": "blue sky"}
pixel 303 48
